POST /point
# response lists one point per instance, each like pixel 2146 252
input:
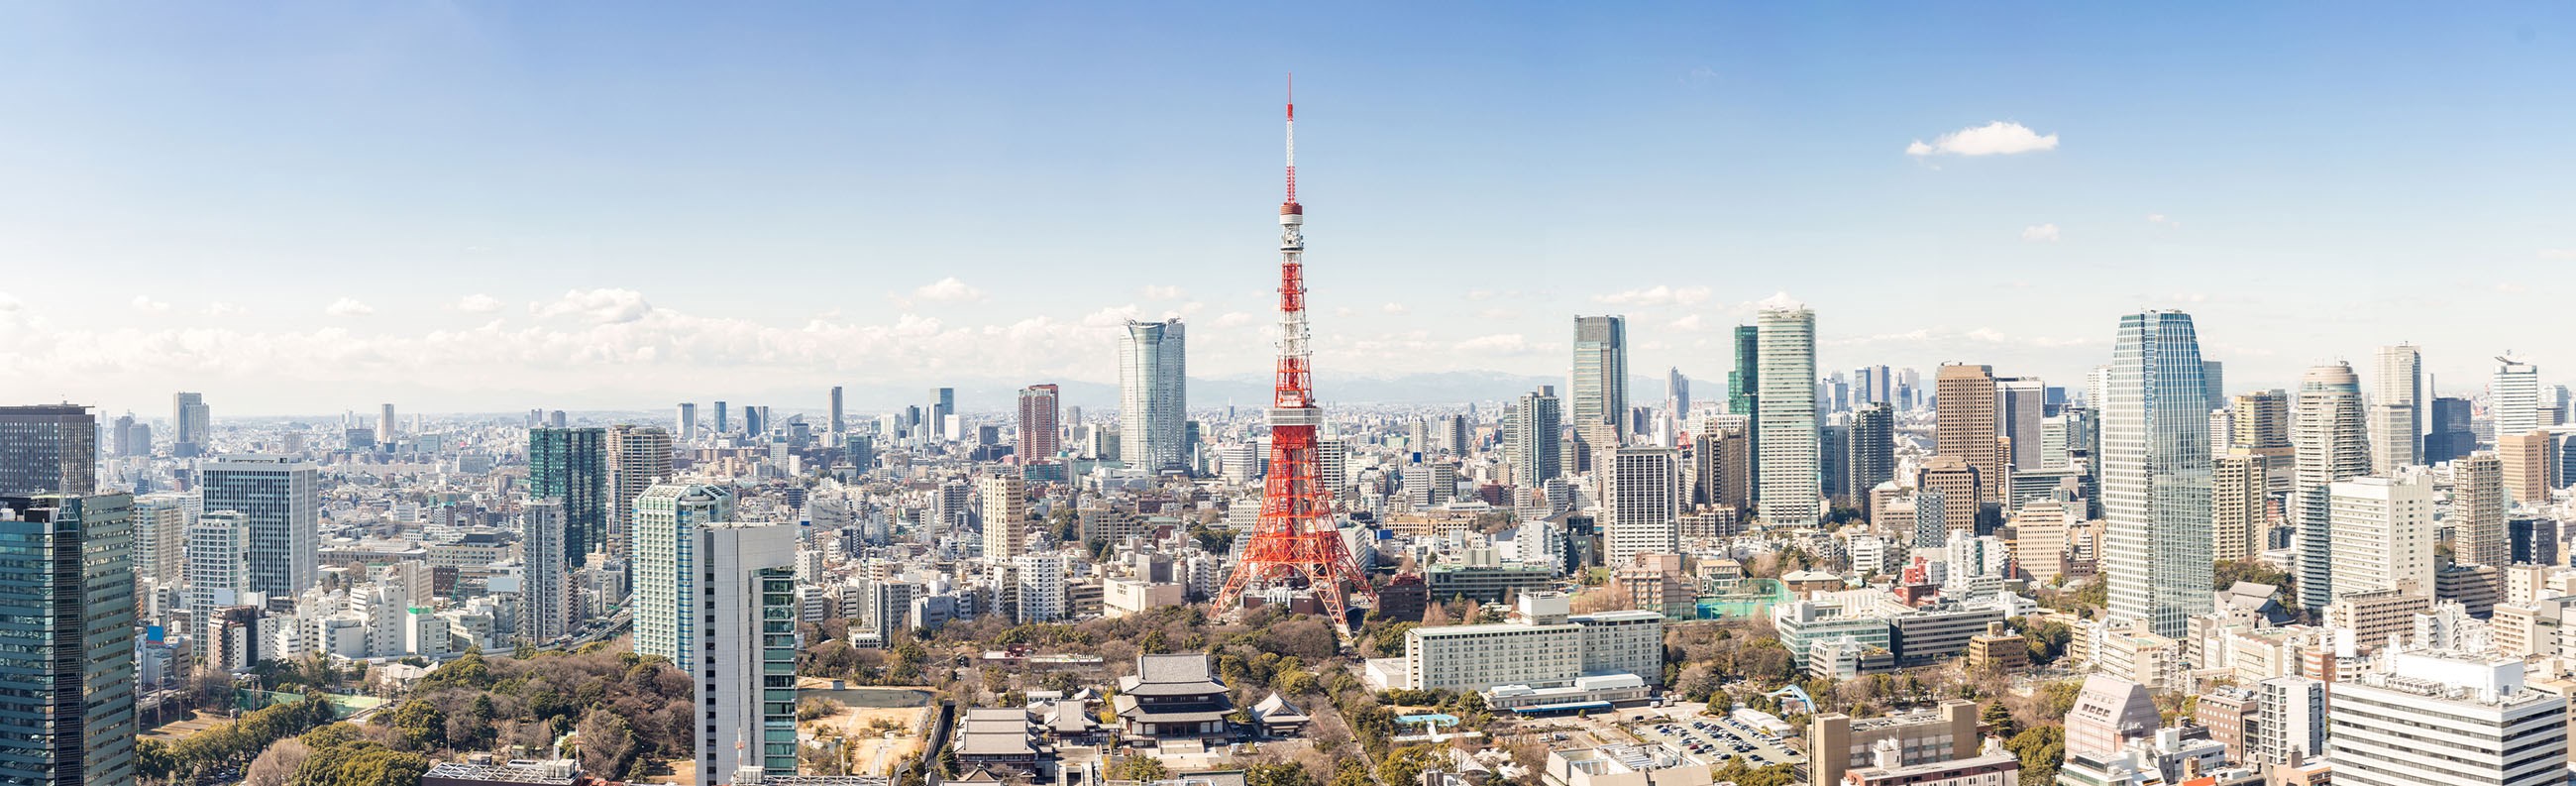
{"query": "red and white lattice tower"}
pixel 1297 543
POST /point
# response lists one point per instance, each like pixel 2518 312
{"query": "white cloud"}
pixel 2159 219
pixel 1996 138
pixel 146 303
pixel 1151 292
pixel 2558 253
pixel 1686 324
pixel 1480 294
pixel 948 290
pixel 1395 308
pixel 2043 233
pixel 597 306
pixel 478 303
pixel 348 307
pixel 1657 295
pixel 1779 301
pixel 1233 319
pixel 8 303
pixel 224 309
pixel 1496 344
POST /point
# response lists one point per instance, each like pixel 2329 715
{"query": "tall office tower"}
pixel 747 681
pixel 668 517
pixel 48 449
pixel 386 433
pixel 686 424
pixel 546 598
pixel 218 555
pixel 755 421
pixel 1153 396
pixel 1537 427
pixel 943 403
pixel 1785 429
pixel 1722 462
pixel 2530 465
pixel 638 457
pixel 2330 447
pixel 1006 515
pixel 1039 433
pixel 2213 382
pixel 2397 408
pixel 1599 381
pixel 723 425
pixel 1964 425
pixel 2383 533
pixel 1873 451
pixel 2155 474
pixel 2021 403
pixel 139 436
pixel 1743 384
pixel 68 714
pixel 2237 522
pixel 161 524
pixel 1333 467
pixel 2263 420
pixel 1833 462
pixel 192 425
pixel 840 420
pixel 2222 430
pixel 280 500
pixel 2478 507
pixel 571 464
pixel 2513 397
pixel 1954 481
pixel 1677 394
pixel 121 435
pixel 1643 498
pixel 2427 718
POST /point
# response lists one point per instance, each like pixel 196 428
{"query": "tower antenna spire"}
pixel 1292 138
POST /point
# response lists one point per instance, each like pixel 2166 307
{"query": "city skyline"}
pixel 457 280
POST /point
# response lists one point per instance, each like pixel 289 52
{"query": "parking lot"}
pixel 1717 739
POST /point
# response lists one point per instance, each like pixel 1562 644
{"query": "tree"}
pixel 2040 749
pixel 1405 765
pixel 1998 720
pixel 1278 774
pixel 419 725
pixel 276 766
pixel 606 741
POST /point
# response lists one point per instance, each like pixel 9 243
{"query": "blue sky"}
pixel 490 206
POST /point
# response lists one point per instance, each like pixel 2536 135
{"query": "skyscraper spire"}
pixel 1297 545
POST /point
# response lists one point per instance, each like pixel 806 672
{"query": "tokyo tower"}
pixel 1296 545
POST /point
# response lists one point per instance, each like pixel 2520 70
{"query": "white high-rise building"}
pixel 1644 494
pixel 218 573
pixel 161 523
pixel 2155 474
pixel 2397 409
pixel 2423 718
pixel 747 674
pixel 546 590
pixel 2383 533
pixel 2292 710
pixel 2513 398
pixel 1791 486
pixel 1153 396
pixel 2326 433
pixel 386 432
pixel 1042 588
pixel 667 519
pixel 281 499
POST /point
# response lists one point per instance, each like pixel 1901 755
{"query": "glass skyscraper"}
pixel 571 464
pixel 1789 487
pixel 1599 381
pixel 2155 474
pixel 667 518
pixel 50 448
pixel 67 678
pixel 1153 396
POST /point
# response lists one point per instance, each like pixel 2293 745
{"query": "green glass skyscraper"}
pixel 571 464
pixel 67 609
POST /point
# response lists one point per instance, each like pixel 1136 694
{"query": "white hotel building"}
pixel 1544 649
pixel 2430 718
